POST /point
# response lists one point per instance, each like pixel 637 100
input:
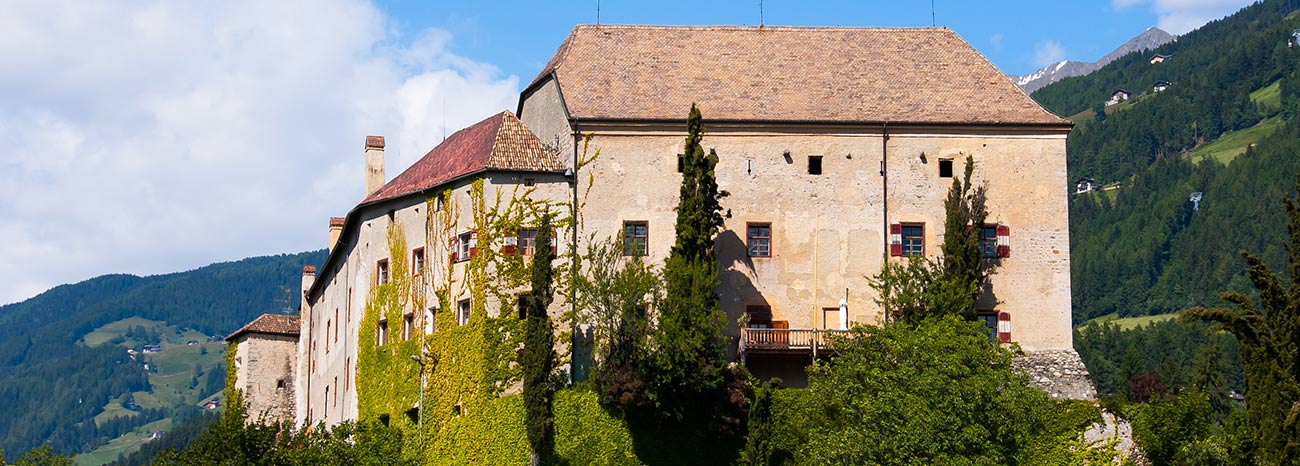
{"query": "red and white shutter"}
pixel 553 241
pixel 896 239
pixel 1004 241
pixel 473 244
pixel 1004 326
pixel 454 245
pixel 510 243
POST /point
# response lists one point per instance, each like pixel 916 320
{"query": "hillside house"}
pixel 1158 58
pixel 1120 95
pixel 1294 39
pixel 1085 185
pixel 837 157
pixel 1160 86
pixel 265 366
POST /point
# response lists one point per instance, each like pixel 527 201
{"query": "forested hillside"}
pixel 53 384
pixel 1142 247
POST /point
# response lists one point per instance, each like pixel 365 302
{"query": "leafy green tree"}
pixel 615 294
pixel 1269 336
pixel 538 355
pixel 690 357
pixel 760 446
pixel 918 288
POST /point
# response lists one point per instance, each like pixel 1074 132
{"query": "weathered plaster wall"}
pixel 264 371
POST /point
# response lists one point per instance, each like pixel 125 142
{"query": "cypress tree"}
pixel 963 260
pixel 691 355
pixel 538 355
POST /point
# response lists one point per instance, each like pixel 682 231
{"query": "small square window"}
pixel 381 334
pixel 989 240
pixel 462 312
pixel 636 237
pixel 814 164
pixel 914 239
pixel 381 272
pixel 759 239
pixel 990 321
pixel 945 168
pixel 529 181
pixel 417 261
pixel 526 241
pixel 279 383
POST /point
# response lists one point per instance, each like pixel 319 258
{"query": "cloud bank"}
pixel 150 137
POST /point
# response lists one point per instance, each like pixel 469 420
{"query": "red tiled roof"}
pixel 822 74
pixel 273 324
pixel 500 142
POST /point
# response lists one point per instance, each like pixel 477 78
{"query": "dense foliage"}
pixel 39 342
pixel 616 294
pixel 538 355
pixel 1175 355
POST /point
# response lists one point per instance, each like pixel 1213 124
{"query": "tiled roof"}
pixel 274 324
pixel 821 74
pixel 500 142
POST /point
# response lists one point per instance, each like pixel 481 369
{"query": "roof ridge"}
pixel 1019 89
pixel 759 28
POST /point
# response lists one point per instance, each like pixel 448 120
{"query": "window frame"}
pixel 463 247
pixel 751 238
pixel 526 247
pixel 918 240
pixel 644 238
pixel 984 317
pixel 463 310
pixel 381 333
pixel 417 261
pixel 989 244
pixel 382 275
pixel 408 322
pixel 949 165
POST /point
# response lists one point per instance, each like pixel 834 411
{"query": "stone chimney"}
pixel 336 230
pixel 374 164
pixel 308 279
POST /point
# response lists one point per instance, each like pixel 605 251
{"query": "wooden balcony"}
pixel 787 341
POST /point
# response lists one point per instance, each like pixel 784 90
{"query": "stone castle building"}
pixel 837 146
pixel 266 359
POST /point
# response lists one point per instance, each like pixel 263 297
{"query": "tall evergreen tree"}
pixel 1268 333
pixel 963 259
pixel 691 355
pixel 538 355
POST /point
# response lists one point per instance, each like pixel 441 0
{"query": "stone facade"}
pixel 265 372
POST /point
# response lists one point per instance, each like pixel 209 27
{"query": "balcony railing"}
pixel 780 340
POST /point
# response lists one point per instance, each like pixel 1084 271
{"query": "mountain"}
pixel 66 378
pixel 1147 40
pixel 1225 128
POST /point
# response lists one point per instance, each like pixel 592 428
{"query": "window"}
pixel 527 241
pixel 814 164
pixel 462 312
pixel 381 334
pixel 913 239
pixel 381 272
pixel 635 238
pixel 407 322
pixel 428 321
pixel 336 326
pixel 529 181
pixel 417 261
pixel 336 392
pixel 347 374
pixel 439 202
pixel 327 337
pixel 279 384
pixel 990 321
pixel 681 163
pixel 989 240
pixel 521 306
pixel 945 168
pixel 759 316
pixel 760 239
pixel 465 246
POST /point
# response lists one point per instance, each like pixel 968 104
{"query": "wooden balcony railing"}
pixel 783 340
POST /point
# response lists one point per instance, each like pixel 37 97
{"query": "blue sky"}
pixel 155 136
pixel 1018 36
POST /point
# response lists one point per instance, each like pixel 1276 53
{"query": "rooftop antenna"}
pixel 760 13
pixel 598 12
pixel 286 303
pixel 933 23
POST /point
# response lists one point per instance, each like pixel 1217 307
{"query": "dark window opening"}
pixel 759 239
pixel 759 316
pixel 814 164
pixel 383 419
pixel 990 321
pixel 989 240
pixel 529 182
pixel 521 306
pixel 681 163
pixel 279 383
pixel 945 169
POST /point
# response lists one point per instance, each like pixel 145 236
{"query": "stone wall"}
pixel 1061 373
pixel 264 370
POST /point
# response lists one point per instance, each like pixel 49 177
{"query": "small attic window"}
pixel 814 164
pixel 279 384
pixel 945 168
pixel 681 163
pixel 529 181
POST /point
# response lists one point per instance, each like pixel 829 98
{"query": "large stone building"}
pixel 837 146
pixel 266 358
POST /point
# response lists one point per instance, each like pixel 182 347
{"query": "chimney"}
pixel 336 230
pixel 308 279
pixel 374 164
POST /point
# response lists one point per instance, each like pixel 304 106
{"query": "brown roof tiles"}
pixel 794 74
pixel 501 142
pixel 273 324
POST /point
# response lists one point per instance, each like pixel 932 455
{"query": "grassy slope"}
pixel 170 384
pixel 1127 323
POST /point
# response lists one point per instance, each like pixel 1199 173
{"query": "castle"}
pixel 837 146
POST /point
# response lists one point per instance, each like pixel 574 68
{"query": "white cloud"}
pixel 1048 52
pixel 1180 16
pixel 156 136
